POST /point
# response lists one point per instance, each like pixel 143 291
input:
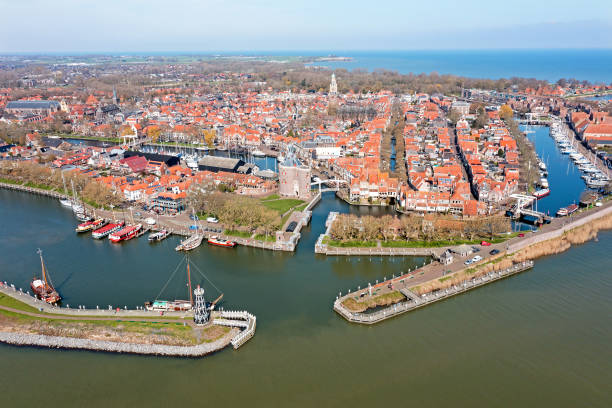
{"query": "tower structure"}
pixel 200 312
pixel 333 86
pixel 115 100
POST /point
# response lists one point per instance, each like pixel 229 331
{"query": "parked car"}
pixel 212 219
pixel 521 235
pixel 494 252
pixel 475 249
pixel 485 243
pixel 193 217
pixel 468 262
pixel 291 226
pixel 477 258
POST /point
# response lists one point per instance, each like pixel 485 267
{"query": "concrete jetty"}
pixel 414 301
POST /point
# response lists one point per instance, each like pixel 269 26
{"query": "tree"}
pixel 505 112
pixel 454 115
pixel 209 137
pixel 481 120
pixel 154 132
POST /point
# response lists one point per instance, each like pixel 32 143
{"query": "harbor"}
pixel 89 272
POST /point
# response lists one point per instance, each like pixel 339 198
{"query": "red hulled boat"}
pixel 125 234
pixel 107 229
pixel 214 240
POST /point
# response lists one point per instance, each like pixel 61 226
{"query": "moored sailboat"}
pixel 43 288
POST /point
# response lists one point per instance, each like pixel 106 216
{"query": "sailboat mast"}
pixel 189 280
pixel 42 265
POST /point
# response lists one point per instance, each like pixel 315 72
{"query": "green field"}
pixel 282 205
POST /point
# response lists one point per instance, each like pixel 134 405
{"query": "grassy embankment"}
pixel 284 206
pixel 576 236
pixel 83 137
pixel 416 244
pixel 355 304
pixel 50 188
pixel 130 331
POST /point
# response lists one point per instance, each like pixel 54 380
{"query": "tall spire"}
pixel 114 95
pixel 333 86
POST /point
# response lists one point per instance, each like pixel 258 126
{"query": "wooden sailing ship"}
pixel 43 288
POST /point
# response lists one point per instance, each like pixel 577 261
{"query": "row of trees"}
pixel 348 227
pixel 37 175
pixel 236 212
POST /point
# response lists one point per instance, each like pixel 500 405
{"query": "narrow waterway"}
pixel 564 179
pixel 539 338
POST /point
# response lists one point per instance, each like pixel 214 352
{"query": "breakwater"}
pixel 414 301
pixel 242 326
pixel 25 339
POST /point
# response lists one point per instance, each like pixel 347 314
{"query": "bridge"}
pixel 331 182
pixel 521 209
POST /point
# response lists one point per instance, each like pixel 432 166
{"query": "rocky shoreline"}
pixel 22 339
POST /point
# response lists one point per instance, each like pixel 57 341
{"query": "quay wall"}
pixel 415 302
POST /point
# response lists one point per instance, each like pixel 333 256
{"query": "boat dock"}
pixel 414 301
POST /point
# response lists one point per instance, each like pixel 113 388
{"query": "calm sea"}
pixel 591 65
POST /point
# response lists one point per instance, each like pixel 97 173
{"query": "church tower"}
pixel 333 86
pixel 115 101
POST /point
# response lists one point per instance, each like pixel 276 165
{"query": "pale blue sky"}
pixel 239 25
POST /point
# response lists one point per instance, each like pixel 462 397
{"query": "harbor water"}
pixel 541 337
pixel 564 179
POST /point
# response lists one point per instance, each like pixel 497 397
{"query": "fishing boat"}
pixel 43 288
pixel 258 153
pixel 565 211
pixel 91 225
pixel 125 234
pixel 107 230
pixel 180 305
pixel 541 193
pixel 544 182
pixel 159 235
pixel 190 243
pixel 214 240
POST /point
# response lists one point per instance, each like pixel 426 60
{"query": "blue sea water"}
pixel 591 65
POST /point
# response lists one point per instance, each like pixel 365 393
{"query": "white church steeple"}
pixel 333 86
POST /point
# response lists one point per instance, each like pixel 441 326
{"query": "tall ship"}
pixel 179 305
pixel 107 229
pixel 125 234
pixel 43 288
pixel 91 225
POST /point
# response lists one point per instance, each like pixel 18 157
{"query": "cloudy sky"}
pixel 258 25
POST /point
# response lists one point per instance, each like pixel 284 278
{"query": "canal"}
pixel 541 337
pixel 564 179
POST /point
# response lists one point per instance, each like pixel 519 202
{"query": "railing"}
pixel 429 298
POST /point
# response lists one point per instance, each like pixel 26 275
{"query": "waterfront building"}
pixel 294 179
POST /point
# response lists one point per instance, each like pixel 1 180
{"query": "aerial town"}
pixel 237 157
pixel 154 150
